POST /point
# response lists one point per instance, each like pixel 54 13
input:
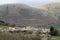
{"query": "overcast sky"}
pixel 29 2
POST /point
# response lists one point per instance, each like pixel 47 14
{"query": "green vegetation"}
pixel 4 27
pixel 56 38
pixel 53 31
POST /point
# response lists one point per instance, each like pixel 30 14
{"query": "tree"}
pixel 52 30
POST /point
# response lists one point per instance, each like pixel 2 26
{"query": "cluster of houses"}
pixel 29 28
pixel 25 28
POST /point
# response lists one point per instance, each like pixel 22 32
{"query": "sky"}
pixel 29 2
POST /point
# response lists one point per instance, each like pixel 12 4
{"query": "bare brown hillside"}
pixel 22 14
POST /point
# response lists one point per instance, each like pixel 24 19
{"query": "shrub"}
pixel 17 36
pixel 53 31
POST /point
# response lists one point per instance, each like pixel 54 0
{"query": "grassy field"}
pixel 4 27
pixel 56 38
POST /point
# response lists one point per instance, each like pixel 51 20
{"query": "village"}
pixel 23 28
pixel 30 31
pixel 27 30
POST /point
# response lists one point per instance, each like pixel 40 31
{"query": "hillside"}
pixel 21 14
pixel 53 10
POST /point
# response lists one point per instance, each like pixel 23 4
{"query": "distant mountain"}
pixel 21 14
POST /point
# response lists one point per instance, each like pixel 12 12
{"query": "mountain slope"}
pixel 53 10
pixel 21 14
